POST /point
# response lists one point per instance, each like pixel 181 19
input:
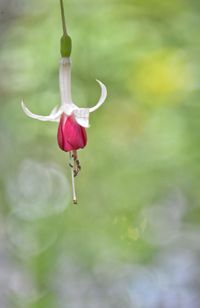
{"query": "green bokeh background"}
pixel 135 230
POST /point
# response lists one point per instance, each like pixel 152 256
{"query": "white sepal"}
pixel 82 116
pixel 51 117
pixel 68 108
pixel 102 98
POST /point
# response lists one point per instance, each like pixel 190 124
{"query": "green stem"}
pixel 65 42
pixel 63 18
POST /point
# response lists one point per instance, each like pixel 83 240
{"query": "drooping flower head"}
pixel 73 120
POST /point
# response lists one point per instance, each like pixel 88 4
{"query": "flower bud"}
pixel 71 136
pixel 65 46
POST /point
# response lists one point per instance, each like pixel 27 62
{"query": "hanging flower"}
pixel 73 120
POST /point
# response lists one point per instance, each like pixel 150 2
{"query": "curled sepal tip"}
pixel 102 97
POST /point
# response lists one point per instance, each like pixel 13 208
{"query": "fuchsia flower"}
pixel 73 120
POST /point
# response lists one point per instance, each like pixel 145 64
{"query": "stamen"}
pixel 76 163
pixel 74 155
pixel 75 168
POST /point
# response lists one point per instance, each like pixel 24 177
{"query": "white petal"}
pixel 53 117
pixel 82 116
pixel 102 98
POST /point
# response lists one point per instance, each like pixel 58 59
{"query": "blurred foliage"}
pixel 138 189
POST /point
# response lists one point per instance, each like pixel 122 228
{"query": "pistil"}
pixel 75 168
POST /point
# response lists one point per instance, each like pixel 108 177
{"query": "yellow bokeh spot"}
pixel 161 77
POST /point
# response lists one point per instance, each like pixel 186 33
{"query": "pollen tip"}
pixel 75 201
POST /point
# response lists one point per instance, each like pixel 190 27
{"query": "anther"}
pixel 75 173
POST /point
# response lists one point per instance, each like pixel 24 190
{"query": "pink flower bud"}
pixel 71 136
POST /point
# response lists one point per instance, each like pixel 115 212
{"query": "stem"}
pixel 63 18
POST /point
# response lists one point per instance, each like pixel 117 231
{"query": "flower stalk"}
pixel 63 18
pixel 65 42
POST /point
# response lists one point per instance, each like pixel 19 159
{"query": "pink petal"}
pixel 71 136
